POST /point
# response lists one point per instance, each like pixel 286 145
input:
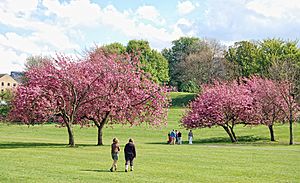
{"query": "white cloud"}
pixel 56 38
pixel 249 20
pixel 19 43
pixel 11 61
pixel 123 22
pixel 276 9
pixel 150 13
pixel 75 13
pixel 19 6
pixel 185 7
pixel 127 22
pixel 228 43
pixel 49 26
pixel 186 26
pixel 184 21
pixel 53 34
pixel 118 20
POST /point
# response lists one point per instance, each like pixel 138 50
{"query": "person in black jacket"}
pixel 130 154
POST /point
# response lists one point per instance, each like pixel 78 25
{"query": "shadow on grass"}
pixel 183 100
pixel 13 145
pixel 240 139
pixel 119 171
pixel 212 140
pixel 95 170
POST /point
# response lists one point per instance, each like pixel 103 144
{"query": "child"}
pixel 115 149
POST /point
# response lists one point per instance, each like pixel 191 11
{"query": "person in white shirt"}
pixel 190 137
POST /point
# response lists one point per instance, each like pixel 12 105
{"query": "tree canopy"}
pixel 193 62
pixel 67 90
pixel 151 60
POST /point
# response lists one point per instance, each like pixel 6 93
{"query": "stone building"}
pixel 7 82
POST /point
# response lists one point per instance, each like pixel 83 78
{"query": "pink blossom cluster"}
pixel 226 103
pixel 92 87
pixel 250 101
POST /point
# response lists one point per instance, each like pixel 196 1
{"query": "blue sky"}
pixel 45 27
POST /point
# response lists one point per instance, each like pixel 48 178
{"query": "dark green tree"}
pixel 180 49
pixel 5 103
pixel 194 62
pixel 244 55
pixel 256 57
pixel 113 48
pixel 273 51
pixel 152 61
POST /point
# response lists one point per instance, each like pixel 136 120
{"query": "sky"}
pixel 47 27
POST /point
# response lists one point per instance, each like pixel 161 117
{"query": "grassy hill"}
pixel 39 154
pixel 181 99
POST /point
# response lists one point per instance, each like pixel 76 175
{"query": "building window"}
pixel 2 84
pixel 2 90
pixel 8 84
pixel 14 84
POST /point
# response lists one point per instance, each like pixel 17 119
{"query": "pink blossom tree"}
pixel 56 88
pixel 291 107
pixel 222 104
pixel 286 73
pixel 71 89
pixel 128 95
pixel 275 101
pixel 269 103
pixel 30 106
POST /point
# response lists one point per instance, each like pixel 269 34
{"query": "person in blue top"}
pixel 173 136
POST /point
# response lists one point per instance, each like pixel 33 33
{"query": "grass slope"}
pixel 39 154
pixel 181 99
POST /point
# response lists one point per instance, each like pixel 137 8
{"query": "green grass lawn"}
pixel 39 154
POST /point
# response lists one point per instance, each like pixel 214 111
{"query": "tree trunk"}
pixel 291 128
pixel 71 136
pixel 271 133
pixel 100 141
pixel 100 126
pixel 233 134
pixel 229 134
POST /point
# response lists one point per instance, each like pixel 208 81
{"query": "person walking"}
pixel 169 138
pixel 179 138
pixel 176 137
pixel 130 154
pixel 173 136
pixel 115 149
pixel 190 137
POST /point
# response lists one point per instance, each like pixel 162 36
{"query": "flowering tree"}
pixel 222 104
pixel 56 88
pixel 287 73
pixel 30 105
pixel 268 101
pixel 98 86
pixel 291 107
pixel 127 95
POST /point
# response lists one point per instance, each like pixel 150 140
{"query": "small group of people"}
pixel 129 152
pixel 175 137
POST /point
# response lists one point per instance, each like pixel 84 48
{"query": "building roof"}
pixel 1 75
pixel 18 76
